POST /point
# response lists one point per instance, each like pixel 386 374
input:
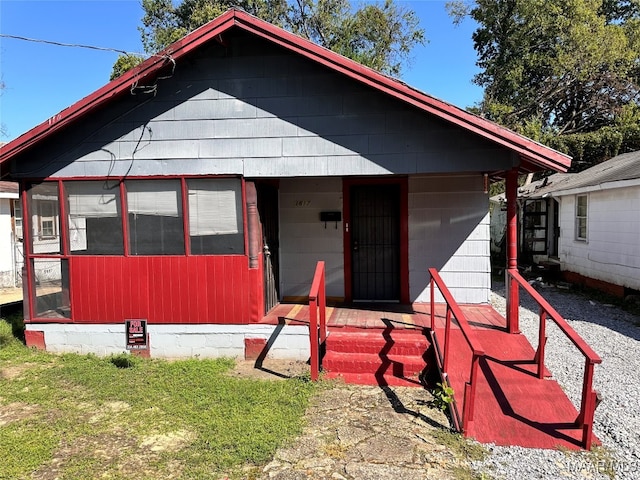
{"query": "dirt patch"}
pixel 16 411
pixel 119 454
pixel 269 369
pixel 14 372
pixel 168 442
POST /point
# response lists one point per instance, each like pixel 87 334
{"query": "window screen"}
pixel 215 216
pixel 155 217
pixel 51 287
pixel 45 220
pixel 95 218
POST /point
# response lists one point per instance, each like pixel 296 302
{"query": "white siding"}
pixel 303 237
pixel 6 244
pixel 449 230
pixel 612 250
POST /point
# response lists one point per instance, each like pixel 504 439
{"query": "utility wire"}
pixel 74 45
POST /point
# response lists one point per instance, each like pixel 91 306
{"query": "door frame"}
pixel 347 183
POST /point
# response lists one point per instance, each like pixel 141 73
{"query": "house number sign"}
pixel 136 332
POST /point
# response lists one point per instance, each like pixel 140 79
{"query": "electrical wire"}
pixel 73 45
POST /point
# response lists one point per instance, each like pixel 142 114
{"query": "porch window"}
pixel 51 287
pixel 581 218
pixel 45 220
pixel 155 217
pixel 95 218
pixel 215 216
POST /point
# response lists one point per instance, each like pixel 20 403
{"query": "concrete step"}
pixel 397 365
pixel 373 379
pixel 375 342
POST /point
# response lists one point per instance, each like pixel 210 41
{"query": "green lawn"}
pixel 80 416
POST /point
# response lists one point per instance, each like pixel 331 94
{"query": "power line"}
pixel 73 45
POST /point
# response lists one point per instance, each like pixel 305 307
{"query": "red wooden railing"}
pixel 317 318
pixel 477 352
pixel 589 396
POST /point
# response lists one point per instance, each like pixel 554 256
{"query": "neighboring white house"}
pixel 588 222
pixel 10 235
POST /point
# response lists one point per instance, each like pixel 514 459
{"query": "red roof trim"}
pixel 530 151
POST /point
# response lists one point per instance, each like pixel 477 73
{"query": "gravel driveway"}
pixel 615 335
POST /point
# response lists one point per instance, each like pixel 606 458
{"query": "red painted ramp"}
pixel 513 406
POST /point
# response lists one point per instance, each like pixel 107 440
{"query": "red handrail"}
pixel 469 396
pixel 317 304
pixel 589 396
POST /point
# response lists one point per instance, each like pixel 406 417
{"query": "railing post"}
pixel 587 406
pixel 313 338
pixel 323 308
pixel 433 306
pixel 542 340
pixel 470 393
pixel 447 332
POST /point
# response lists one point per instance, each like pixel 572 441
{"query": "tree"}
pixel 379 35
pixel 572 66
pixel 125 63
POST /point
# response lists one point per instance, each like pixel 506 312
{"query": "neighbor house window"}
pixel 155 217
pixel 215 216
pixel 45 219
pixel 581 217
pixel 17 219
pixel 95 218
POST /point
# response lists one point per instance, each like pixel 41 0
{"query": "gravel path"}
pixel 615 335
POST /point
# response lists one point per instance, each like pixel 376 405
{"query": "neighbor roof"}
pixel 617 169
pixel 533 156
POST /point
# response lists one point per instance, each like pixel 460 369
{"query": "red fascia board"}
pixel 118 86
pixel 530 151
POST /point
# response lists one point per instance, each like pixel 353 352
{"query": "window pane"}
pixel 582 206
pixel 45 221
pixel 51 287
pixel 215 216
pixel 155 217
pixel 582 228
pixel 17 216
pixel 95 221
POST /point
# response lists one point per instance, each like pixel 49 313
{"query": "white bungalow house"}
pixel 10 234
pixel 588 223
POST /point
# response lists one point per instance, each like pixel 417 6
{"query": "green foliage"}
pixel 563 72
pixel 6 333
pixel 11 329
pixel 379 35
pixel 442 396
pixel 94 419
pixel 123 64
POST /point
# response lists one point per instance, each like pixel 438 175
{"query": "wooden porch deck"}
pixel 513 406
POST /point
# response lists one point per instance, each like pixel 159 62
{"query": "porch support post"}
pixel 513 300
pixel 253 223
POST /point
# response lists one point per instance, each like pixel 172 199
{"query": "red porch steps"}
pixel 388 356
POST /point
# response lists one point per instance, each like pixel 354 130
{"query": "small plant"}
pixel 123 360
pixel 442 396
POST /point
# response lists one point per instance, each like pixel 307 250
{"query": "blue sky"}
pixel 41 80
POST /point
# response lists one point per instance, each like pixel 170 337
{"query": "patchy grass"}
pixel 459 445
pixel 77 416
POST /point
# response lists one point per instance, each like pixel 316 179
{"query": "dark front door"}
pixel 268 211
pixel 375 242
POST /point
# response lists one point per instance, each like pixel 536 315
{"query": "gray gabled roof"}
pixel 619 168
